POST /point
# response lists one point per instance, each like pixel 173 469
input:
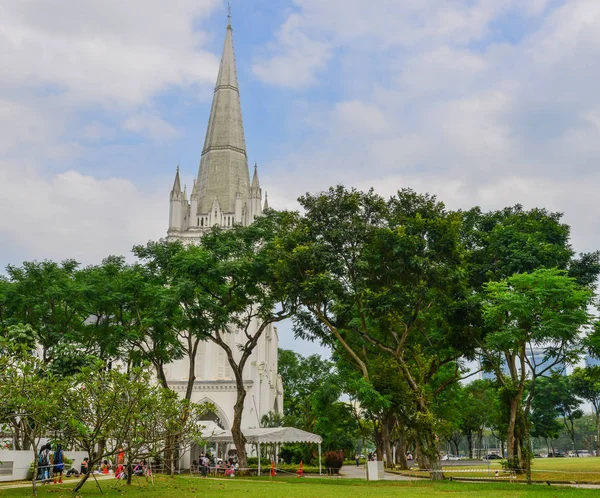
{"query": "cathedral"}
pixel 223 195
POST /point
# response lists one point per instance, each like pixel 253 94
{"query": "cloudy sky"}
pixel 482 102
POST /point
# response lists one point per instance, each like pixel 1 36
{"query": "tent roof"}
pixel 264 435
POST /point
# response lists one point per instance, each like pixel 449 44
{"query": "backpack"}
pixel 43 458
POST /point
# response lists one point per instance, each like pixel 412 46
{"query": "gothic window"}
pixel 221 359
pixel 198 222
pixel 202 222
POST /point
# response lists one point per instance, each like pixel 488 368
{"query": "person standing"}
pixel 357 458
pixel 59 463
pixel 44 462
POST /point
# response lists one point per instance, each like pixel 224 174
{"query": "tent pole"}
pixel 259 458
pixel 319 458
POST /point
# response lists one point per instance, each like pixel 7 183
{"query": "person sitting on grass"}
pixel 120 472
pixel 138 470
pixel 228 470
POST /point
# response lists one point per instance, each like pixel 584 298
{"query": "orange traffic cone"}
pixel 300 472
pixel 272 469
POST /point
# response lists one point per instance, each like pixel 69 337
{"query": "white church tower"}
pixel 223 195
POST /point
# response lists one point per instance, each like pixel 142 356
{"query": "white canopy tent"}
pixel 262 435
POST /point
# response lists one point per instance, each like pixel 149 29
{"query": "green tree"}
pixel 227 293
pixel 132 316
pixel 586 384
pixel 544 309
pixel 110 409
pixel 312 392
pixel 47 297
pixel 31 396
pixel 545 415
pixel 474 402
pixel 386 273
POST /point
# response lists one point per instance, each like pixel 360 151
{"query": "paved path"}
pixel 354 472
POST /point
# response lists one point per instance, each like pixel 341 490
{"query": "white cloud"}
pixel 97 131
pixel 151 126
pixel 488 123
pixel 76 75
pixel 115 53
pixel 360 117
pixel 23 125
pixel 70 215
pixel 297 57
pixel 308 38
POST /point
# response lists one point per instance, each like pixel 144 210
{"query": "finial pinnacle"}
pixel 228 14
pixel 178 168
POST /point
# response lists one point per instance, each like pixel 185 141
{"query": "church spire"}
pixel 224 164
pixel 176 185
pixel 255 182
pixel 266 206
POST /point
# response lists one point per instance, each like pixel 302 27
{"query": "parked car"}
pixel 581 453
pixel 450 457
pixel 556 454
pixel 492 456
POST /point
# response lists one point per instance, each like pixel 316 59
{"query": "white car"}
pixel 450 457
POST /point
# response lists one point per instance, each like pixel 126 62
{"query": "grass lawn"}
pixel 184 487
pixel 543 469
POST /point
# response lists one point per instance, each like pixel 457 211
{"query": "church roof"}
pixel 224 165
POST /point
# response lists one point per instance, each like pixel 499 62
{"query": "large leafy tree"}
pixel 313 390
pixel 46 296
pixel 132 316
pixel 585 383
pixel 107 410
pixel 226 292
pixel 475 400
pixel 388 273
pixel 539 311
pixel 514 241
pixel 30 396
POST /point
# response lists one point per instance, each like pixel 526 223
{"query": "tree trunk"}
pixel 429 456
pixel 510 432
pixel 527 453
pixel 236 431
pixel 597 433
pixel 389 459
pixel 35 471
pixel 401 454
pixel 470 443
pixel 129 472
pixel 81 482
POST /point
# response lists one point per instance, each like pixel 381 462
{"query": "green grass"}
pixel 543 469
pixel 187 487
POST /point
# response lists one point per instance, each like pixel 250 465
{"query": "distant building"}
pixel 590 361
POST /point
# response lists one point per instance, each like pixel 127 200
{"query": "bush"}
pixel 334 461
pixel 292 468
pixel 253 462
